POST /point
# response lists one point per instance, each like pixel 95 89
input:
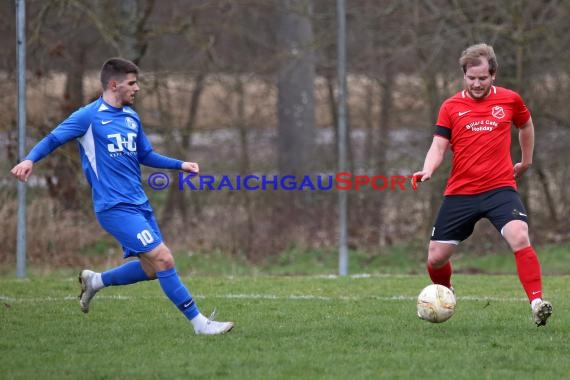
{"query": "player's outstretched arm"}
pixel 48 144
pixel 23 170
pixel 434 158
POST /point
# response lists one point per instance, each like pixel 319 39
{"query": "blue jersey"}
pixel 112 145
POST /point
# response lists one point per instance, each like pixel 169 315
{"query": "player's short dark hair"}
pixel 473 54
pixel 117 68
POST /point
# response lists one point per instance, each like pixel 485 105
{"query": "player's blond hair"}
pixel 473 55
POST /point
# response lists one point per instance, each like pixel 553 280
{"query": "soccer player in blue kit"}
pixel 112 145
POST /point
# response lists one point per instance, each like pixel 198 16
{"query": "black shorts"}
pixel 459 213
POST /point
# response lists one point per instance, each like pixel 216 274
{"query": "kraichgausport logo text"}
pixel 253 182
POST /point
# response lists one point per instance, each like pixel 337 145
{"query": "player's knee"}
pixel 519 242
pixel 437 257
pixel 436 262
pixel 516 234
pixel 164 259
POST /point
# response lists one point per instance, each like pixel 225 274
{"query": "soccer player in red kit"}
pixel 476 124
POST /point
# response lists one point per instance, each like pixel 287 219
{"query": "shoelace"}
pixel 212 316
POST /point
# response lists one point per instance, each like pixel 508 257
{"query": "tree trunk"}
pixel 248 236
pixel 333 102
pixel 544 181
pixel 437 183
pixel 132 42
pixel 63 185
pixel 176 199
pixel 386 108
pixel 295 103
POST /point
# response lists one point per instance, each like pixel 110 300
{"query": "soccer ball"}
pixel 436 303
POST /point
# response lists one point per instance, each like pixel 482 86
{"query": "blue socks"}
pixel 126 274
pixel 132 272
pixel 177 292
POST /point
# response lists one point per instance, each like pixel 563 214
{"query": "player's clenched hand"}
pixel 422 176
pixel 519 169
pixel 23 170
pixel 191 167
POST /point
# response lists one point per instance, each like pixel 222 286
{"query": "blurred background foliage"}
pixel 250 87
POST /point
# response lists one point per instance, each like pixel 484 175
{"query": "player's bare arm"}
pixel 526 140
pixel 434 158
pixel 23 170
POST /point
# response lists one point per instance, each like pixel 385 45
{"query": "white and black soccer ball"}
pixel 436 303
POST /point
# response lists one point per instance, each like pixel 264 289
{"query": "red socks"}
pixel 441 276
pixel 528 269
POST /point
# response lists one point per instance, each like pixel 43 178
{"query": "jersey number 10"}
pixel 145 237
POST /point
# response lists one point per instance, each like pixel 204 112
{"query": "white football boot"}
pixel 87 290
pixel 212 327
pixel 541 312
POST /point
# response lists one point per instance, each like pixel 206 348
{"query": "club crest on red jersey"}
pixel 498 112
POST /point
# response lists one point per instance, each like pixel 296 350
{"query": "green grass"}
pixel 402 259
pixel 286 327
pixel 393 260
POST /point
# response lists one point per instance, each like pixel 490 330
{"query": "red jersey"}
pixel 480 140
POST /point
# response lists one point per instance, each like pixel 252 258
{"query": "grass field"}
pixel 311 327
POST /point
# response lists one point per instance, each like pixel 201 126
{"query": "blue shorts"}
pixel 134 226
pixel 459 213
